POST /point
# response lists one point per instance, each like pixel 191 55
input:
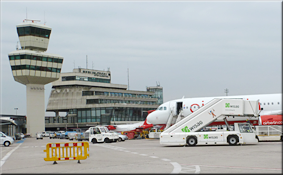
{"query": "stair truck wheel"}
pixel 191 141
pixel 232 140
pixel 119 140
pixel 94 141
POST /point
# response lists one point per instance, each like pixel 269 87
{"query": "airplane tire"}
pixel 232 140
pixel 94 141
pixel 191 141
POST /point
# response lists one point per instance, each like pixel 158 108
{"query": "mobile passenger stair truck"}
pixel 102 134
pixel 188 130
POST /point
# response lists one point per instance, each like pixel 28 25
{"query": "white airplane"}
pixel 130 127
pixel 270 104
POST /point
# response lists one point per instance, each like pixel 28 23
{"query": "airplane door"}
pixel 179 107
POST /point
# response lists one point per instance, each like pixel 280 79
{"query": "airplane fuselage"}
pixel 269 104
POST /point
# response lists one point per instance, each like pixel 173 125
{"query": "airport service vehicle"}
pixel 269 132
pixel 154 133
pixel 188 130
pixel 6 140
pixel 83 136
pixel 121 136
pixel 67 134
pixel 101 134
pixel 39 135
pixel 52 135
pixel 72 135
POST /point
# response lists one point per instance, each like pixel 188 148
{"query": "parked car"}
pixel 22 136
pixel 121 136
pixel 18 136
pixel 39 135
pixel 45 134
pixel 6 140
pixel 52 135
pixel 57 135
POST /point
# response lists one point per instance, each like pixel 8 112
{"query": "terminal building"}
pixel 89 98
pixel 33 67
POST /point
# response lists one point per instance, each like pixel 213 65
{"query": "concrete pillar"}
pixel 35 108
pixel 57 117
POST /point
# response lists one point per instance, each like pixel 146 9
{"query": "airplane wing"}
pixel 145 126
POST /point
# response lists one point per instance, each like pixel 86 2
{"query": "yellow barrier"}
pixel 66 151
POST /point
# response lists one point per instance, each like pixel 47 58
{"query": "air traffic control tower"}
pixel 33 67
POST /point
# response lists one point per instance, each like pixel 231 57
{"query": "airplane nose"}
pixel 151 118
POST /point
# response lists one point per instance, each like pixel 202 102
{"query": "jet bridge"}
pixel 211 111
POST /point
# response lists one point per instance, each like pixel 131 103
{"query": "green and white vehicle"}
pixel 102 134
pixel 188 130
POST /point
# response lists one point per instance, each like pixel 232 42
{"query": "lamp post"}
pixel 16 115
pixel 16 110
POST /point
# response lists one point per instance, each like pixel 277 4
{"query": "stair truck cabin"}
pixel 101 134
pixel 188 130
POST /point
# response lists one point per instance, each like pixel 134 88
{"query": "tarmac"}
pixel 145 156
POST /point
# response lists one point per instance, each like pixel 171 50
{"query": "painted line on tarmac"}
pixel 193 169
pixel 8 155
pixel 177 168
pixel 143 154
pixel 153 157
pixel 237 167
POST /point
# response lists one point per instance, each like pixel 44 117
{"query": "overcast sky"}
pixel 193 49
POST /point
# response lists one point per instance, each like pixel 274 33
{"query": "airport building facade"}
pixel 89 98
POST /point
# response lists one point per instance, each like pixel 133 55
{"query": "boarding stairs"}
pixel 211 111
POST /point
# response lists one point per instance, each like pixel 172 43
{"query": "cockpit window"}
pixel 164 108
pixel 160 108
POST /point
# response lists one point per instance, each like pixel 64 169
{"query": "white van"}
pixel 102 134
pixel 6 140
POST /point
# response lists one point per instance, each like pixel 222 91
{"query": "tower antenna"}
pixel 128 80
pixel 44 18
pixel 86 62
pixel 226 91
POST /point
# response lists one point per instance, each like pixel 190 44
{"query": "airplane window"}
pixel 268 103
pixel 260 103
pixel 272 103
pixel 164 108
pixel 278 102
pixel 263 103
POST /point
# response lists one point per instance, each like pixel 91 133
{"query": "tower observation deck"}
pixel 33 67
